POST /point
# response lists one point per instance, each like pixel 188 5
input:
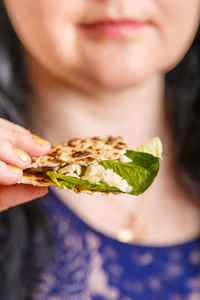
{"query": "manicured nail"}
pixel 39 140
pixel 15 169
pixel 21 154
pixel 3 207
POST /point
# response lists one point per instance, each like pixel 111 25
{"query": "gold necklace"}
pixel 134 230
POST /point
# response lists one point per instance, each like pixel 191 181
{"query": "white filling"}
pixel 72 169
pixel 97 174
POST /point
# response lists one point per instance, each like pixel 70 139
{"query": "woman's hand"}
pixel 17 145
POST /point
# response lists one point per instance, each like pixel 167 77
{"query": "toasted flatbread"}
pixel 81 151
pixel 36 178
pixel 97 165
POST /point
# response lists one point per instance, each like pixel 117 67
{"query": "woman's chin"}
pixel 115 81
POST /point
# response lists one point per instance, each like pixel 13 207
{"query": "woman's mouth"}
pixel 113 28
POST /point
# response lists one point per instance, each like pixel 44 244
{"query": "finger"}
pixel 29 143
pixel 11 125
pixel 9 174
pixel 13 156
pixel 19 193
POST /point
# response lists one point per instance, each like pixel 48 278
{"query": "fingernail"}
pixel 39 140
pixel 3 207
pixel 21 154
pixel 15 169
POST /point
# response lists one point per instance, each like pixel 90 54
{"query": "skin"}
pixel 71 56
pixel 12 138
pixel 72 87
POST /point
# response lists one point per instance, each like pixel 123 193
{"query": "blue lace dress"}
pixel 89 265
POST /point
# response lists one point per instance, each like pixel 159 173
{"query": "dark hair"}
pixel 23 229
pixel 183 92
pixel 16 224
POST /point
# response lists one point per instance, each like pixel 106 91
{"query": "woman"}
pixel 96 68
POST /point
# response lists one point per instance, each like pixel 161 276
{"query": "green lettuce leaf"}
pixel 75 183
pixel 139 173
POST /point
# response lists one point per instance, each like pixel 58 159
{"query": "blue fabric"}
pixel 89 265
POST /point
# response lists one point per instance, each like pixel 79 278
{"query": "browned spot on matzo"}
pixel 36 179
pixel 83 151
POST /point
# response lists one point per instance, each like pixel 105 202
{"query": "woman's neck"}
pixel 64 112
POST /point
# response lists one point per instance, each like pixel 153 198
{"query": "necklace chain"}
pixel 133 231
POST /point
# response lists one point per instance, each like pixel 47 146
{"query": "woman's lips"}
pixel 113 28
